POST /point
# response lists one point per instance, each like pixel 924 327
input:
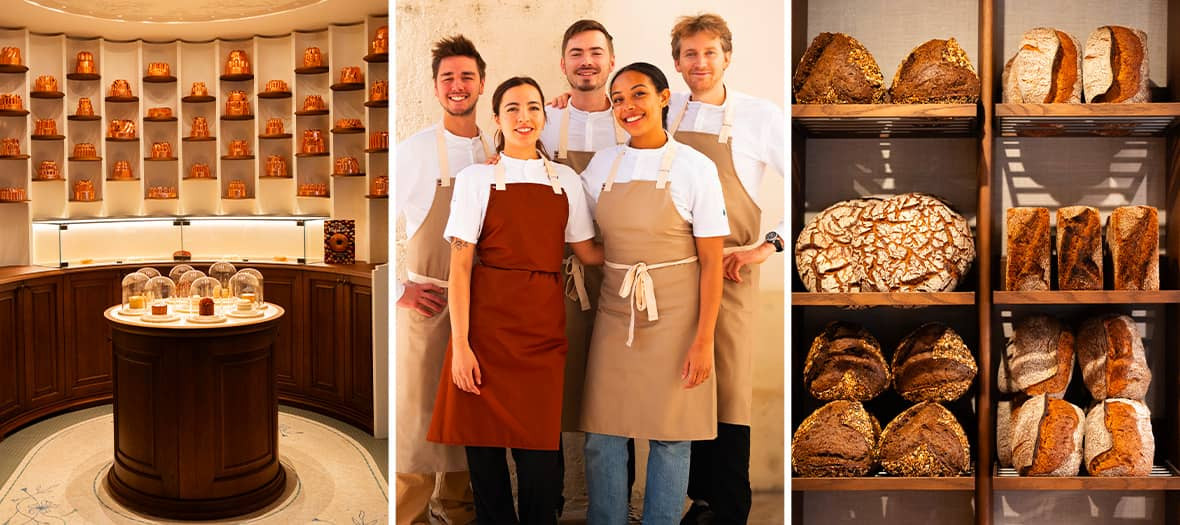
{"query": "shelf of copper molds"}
pixel 13 68
pixel 159 79
pixel 83 76
pixel 47 137
pixel 1162 478
pixel 198 139
pixel 275 136
pixel 132 98
pixel 376 150
pixel 348 131
pixel 311 112
pixel 84 118
pixel 347 86
pixel 361 174
pixel 160 119
pixel 311 70
pixel 198 98
pixel 168 159
pixel 120 139
pixel 883 482
pixel 305 155
pixel 377 103
pixel 275 94
pixel 84 159
pixel 376 196
pixel 15 157
pixel 13 112
pixel 886 120
pixel 238 77
pixel 862 299
pixel 237 157
pixel 46 94
pixel 377 57
pixel 1151 119
pixel 238 117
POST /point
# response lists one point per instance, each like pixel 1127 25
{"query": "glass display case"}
pixel 160 292
pixel 222 271
pixel 134 294
pixel 203 295
pixel 82 242
pixel 247 293
pixel 261 283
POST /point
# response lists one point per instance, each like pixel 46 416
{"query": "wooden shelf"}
pixel 1087 297
pixel 86 202
pixel 13 112
pixel 198 98
pixel 46 94
pixel 377 103
pixel 85 159
pixel 169 159
pixel 122 99
pixel 84 118
pixel 237 157
pixel 161 198
pixel 83 76
pixel 348 131
pixel 47 137
pixel 199 139
pixel 117 139
pixel 14 157
pixel 882 482
pixel 376 150
pixel 275 94
pixel 274 137
pixel 347 86
pixel 883 299
pixel 269 177
pixel 59 179
pixel 199 178
pixel 160 119
pixel 1162 478
pixel 133 179
pixel 237 117
pixel 14 202
pixel 1087 120
pixel 313 196
pixel 236 198
pixel 304 155
pixel 311 70
pixel 376 196
pixel 311 112
pixel 377 57
pixel 886 120
pixel 159 79
pixel 238 77
pixel 13 68
pixel 361 174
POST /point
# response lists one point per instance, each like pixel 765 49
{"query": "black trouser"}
pixel 538 477
pixel 719 474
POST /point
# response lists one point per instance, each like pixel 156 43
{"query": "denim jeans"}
pixel 606 480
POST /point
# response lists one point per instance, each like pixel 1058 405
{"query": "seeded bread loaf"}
pixel 936 72
pixel 837 69
pixel 1079 248
pixel 1119 440
pixel 925 440
pixel 1115 65
pixel 1132 235
pixel 1046 69
pixel 838 440
pixel 845 362
pixel 1029 247
pixel 1113 361
pixel 1038 358
pixel 1047 437
pixel 932 363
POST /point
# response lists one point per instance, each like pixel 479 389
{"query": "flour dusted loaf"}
pixel 936 72
pixel 1132 236
pixel 838 440
pixel 932 363
pixel 1005 411
pixel 911 242
pixel 1079 248
pixel 837 69
pixel 925 440
pixel 1046 69
pixel 1038 358
pixel 1113 361
pixel 845 362
pixel 1029 248
pixel 1047 437
pixel 1115 65
pixel 1119 441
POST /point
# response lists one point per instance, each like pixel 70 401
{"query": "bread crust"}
pixel 838 69
pixel 1115 67
pixel 925 440
pixel 1029 249
pixel 845 362
pixel 936 72
pixel 837 440
pixel 932 363
pixel 1119 439
pixel 1039 356
pixel 1079 248
pixel 1046 68
pixel 1132 235
pixel 1047 438
pixel 1114 363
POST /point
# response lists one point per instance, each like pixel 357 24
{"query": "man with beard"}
pixel 426 165
pixel 743 136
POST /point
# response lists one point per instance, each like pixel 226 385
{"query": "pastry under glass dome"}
pixel 134 288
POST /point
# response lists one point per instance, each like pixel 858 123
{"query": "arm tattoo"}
pixel 458 243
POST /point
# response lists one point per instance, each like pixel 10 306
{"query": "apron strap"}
pixel 614 170
pixel 726 119
pixel 679 116
pixel 575 281
pixel 444 169
pixel 553 180
pixel 499 171
pixel 639 286
pixel 666 165
pixel 563 140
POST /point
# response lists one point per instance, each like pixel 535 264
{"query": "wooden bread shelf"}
pixel 886 120
pixel 1162 478
pixel 1153 119
pixel 883 482
pixel 1087 297
pixel 883 299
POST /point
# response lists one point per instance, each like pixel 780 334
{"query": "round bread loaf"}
pixel 837 69
pixel 845 362
pixel 911 242
pixel 1114 364
pixel 932 363
pixel 1119 441
pixel 1115 66
pixel 1046 69
pixel 1038 358
pixel 1047 437
pixel 925 440
pixel 838 440
pixel 936 72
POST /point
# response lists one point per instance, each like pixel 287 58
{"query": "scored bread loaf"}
pixel 1029 249
pixel 1038 358
pixel 1046 69
pixel 1115 66
pixel 1005 414
pixel 1113 361
pixel 1079 248
pixel 837 440
pixel 837 69
pixel 925 440
pixel 1047 437
pixel 932 363
pixel 1132 235
pixel 1119 441
pixel 845 362
pixel 936 72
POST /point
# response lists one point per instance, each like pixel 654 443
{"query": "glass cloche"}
pixel 160 291
pixel 134 300
pixel 247 292
pixel 178 271
pixel 184 286
pixel 222 271
pixel 149 271
pixel 261 283
pixel 201 296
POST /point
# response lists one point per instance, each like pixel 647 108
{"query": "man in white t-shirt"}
pixel 426 165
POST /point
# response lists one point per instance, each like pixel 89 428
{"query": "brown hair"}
pixel 581 26
pixel 687 26
pixel 498 96
pixel 455 46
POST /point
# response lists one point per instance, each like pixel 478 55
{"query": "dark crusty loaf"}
pixel 936 72
pixel 925 440
pixel 1132 235
pixel 1079 248
pixel 1038 358
pixel 1115 66
pixel 1047 437
pixel 932 363
pixel 1029 249
pixel 845 362
pixel 838 440
pixel 1113 361
pixel 1046 69
pixel 837 69
pixel 1119 441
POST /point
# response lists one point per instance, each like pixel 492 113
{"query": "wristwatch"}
pixel 774 239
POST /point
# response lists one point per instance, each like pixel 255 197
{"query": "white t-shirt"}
pixel 757 131
pixel 473 186
pixel 696 190
pixel 588 131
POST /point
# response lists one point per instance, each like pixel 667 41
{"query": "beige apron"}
pixel 734 338
pixel 581 291
pixel 647 318
pixel 422 341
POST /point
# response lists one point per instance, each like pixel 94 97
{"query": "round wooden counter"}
pixel 196 416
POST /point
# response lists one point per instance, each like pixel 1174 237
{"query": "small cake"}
pixel 121 129
pixel 121 170
pixel 380 43
pixel 181 255
pixel 347 166
pixel 11 101
pixel 85 63
pixel 312 57
pixel 200 170
pixel 10 56
pixel 85 109
pixel 379 91
pixel 159 309
pixel 236 190
pixel 48 170
pixel 380 186
pixel 161 150
pixel 239 148
pixel 351 75
pixel 85 150
pixel 205 307
pixel 349 123
pixel 200 127
pixel 9 147
pixel 45 126
pixel 237 104
pixel 379 140
pixel 120 88
pixel 158 69
pixel 45 83
pixel 84 190
pixel 160 112
pixel 274 126
pixel 314 103
pixel 199 90
pixel 135 302
pixel 237 63
pixel 313 141
pixel 276 166
pixel 245 305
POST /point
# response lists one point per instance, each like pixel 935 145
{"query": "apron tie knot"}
pixel 575 282
pixel 639 286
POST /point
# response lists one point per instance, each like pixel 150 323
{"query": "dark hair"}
pixel 498 96
pixel 455 46
pixel 581 26
pixel 687 26
pixel 651 72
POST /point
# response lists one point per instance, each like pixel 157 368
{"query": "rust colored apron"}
pixel 647 318
pixel 517 325
pixel 734 339
pixel 422 341
pixel 581 291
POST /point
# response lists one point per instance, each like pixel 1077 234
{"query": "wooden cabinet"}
pixel 282 287
pixel 339 346
pixel 40 305
pixel 10 353
pixel 87 335
pixel 326 350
